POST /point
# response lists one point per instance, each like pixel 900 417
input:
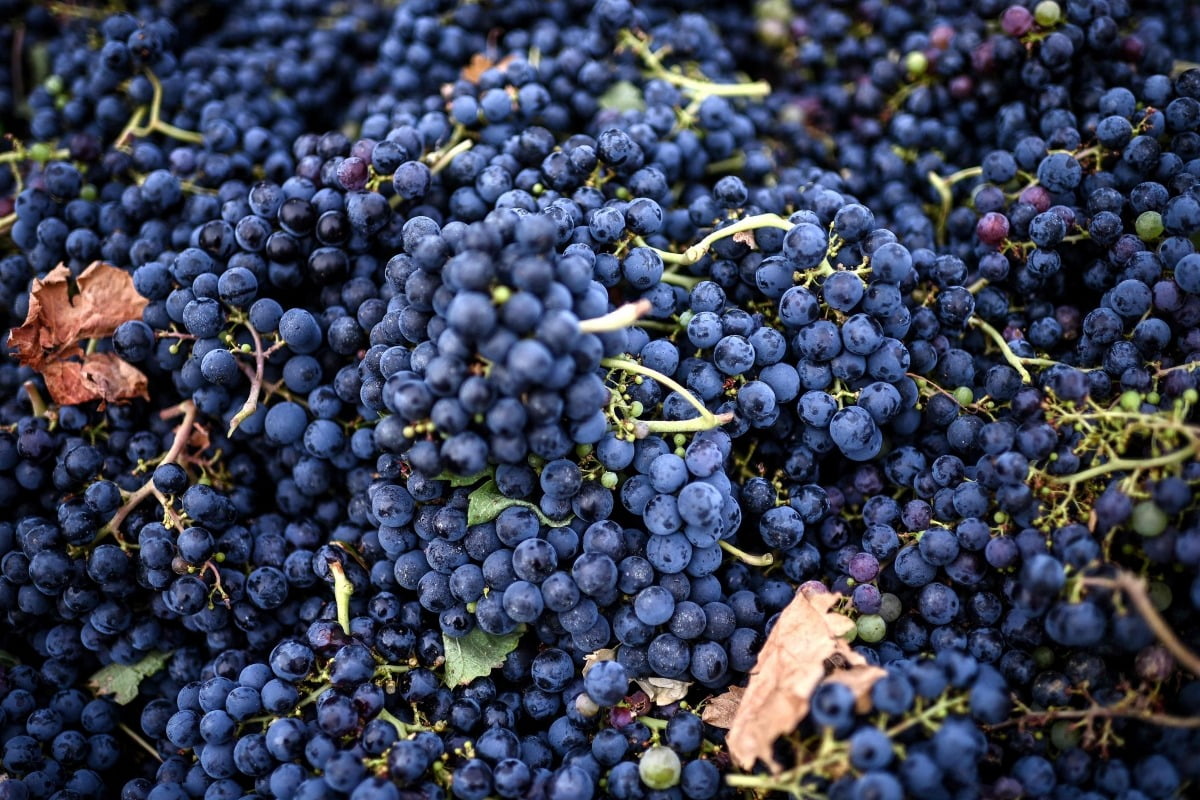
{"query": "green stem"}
pixel 703 88
pixel 36 403
pixel 312 696
pixel 22 154
pixel 402 727
pixel 393 669
pixel 627 365
pixel 142 743
pixel 701 248
pixel 643 428
pixel 686 281
pixel 1012 358
pixel 765 560
pixel 342 589
pixel 1165 460
pixel 653 723
pixel 618 319
pixel 943 187
pixel 444 160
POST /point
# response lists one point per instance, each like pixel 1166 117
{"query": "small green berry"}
pixel 1149 226
pixel 916 63
pixel 659 767
pixel 1047 13
pixel 871 628
pixel 1148 519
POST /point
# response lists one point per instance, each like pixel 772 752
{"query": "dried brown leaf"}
pixel 720 711
pixel 61 313
pixel 592 659
pixel 481 63
pixel 804 644
pixel 663 691
pixel 859 678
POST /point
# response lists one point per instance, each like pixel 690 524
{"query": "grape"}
pixel 660 767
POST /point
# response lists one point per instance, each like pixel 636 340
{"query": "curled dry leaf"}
pixel 63 311
pixel 480 64
pixel 720 710
pixel 592 659
pixel 663 691
pixel 804 645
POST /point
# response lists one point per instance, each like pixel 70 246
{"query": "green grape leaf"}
pixel 623 96
pixel 485 504
pixel 475 655
pixel 122 681
pixel 464 480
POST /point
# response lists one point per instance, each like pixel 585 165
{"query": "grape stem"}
pixel 445 158
pixel 943 187
pixel 342 589
pixel 701 248
pixel 698 87
pixel 765 560
pixel 256 379
pixel 706 421
pixel 402 727
pixel 1015 361
pixel 139 741
pixel 1040 718
pixel 1135 589
pixel 618 319
pixel 182 434
pixel 22 153
pixel 135 128
pixel 36 403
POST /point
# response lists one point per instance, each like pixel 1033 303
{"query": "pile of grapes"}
pixel 499 398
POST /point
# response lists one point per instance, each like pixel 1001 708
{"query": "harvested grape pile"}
pixel 573 399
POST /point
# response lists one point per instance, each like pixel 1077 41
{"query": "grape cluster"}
pixel 511 368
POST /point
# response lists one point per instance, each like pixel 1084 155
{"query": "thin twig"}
pixel 1135 589
pixel 182 434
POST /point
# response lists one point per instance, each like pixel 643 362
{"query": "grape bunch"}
pixel 455 400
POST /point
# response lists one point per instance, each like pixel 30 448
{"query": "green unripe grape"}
pixel 916 63
pixel 1149 226
pixel 871 628
pixel 54 84
pixel 659 767
pixel 1047 13
pixel 1065 734
pixel 1131 400
pixel 1160 595
pixel 1043 656
pixel 964 395
pixel 501 294
pixel 41 152
pixel 609 480
pixel 88 192
pixel 1148 519
pixel 1190 395
pixel 890 607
